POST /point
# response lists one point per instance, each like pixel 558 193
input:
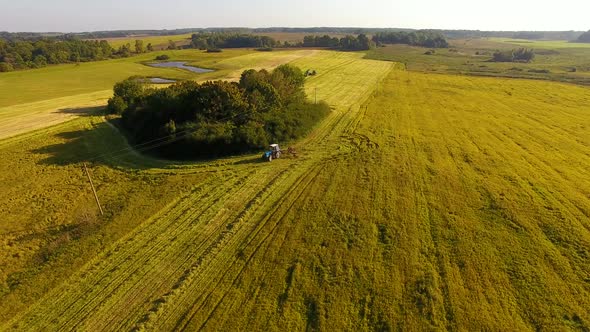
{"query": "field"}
pixel 158 42
pixel 42 97
pixel 556 61
pixel 545 44
pixel 423 202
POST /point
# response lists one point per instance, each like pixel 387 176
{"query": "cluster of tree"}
pixel 584 38
pixel 23 54
pixel 348 43
pixel 423 38
pixel 519 55
pixel 218 118
pixel 323 41
pixel 205 41
pixel 358 43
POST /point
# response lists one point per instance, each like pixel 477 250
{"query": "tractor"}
pixel 273 153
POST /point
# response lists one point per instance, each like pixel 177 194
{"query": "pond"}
pixel 159 80
pixel 180 65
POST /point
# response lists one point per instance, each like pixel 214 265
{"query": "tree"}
pixel 40 61
pixel 171 45
pixel 363 42
pixel 288 81
pixel 116 105
pixel 130 91
pixel 139 46
pixel 150 48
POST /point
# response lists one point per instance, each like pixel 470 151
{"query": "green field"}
pixel 37 98
pixel 542 43
pixel 423 202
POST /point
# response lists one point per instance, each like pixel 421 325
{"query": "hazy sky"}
pixel 85 15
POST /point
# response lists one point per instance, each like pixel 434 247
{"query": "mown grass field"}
pixel 423 202
pixel 38 98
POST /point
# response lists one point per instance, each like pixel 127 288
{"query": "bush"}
pixel 214 50
pixel 162 57
pixel 539 71
pixel 519 55
pixel 5 67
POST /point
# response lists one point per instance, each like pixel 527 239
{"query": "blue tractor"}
pixel 273 153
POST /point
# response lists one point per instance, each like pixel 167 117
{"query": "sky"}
pixel 86 15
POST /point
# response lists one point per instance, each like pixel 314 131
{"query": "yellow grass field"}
pixel 423 202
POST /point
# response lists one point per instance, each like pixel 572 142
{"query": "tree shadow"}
pixel 82 111
pixel 104 144
pixel 73 149
pixel 253 160
pixel 101 144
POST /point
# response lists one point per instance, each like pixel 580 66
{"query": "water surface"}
pixel 159 80
pixel 180 65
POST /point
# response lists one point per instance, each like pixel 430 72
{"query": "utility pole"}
pixel 316 95
pixel 93 190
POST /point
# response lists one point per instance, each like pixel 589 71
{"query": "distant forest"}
pixel 205 41
pixel 584 38
pixel 26 54
pixel 233 40
pixel 533 35
pixel 417 38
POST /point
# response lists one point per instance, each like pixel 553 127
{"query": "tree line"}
pixel 347 43
pixel 212 41
pixel 428 39
pixel 533 35
pixel 218 118
pixel 19 54
pixel 24 54
pixel 205 41
pixel 518 55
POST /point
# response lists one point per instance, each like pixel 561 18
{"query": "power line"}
pixel 155 143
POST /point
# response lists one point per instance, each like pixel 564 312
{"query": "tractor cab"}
pixel 273 153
